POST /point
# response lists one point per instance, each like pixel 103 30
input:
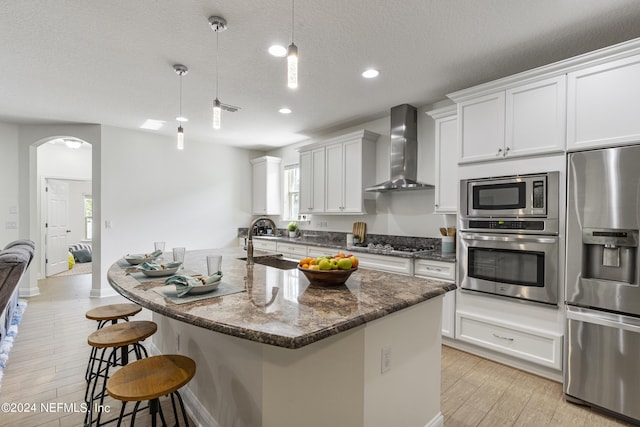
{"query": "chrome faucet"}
pixel 250 239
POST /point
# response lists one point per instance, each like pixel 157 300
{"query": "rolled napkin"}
pixel 152 255
pixel 184 283
pixel 155 266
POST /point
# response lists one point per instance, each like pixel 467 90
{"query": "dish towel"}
pixel 154 266
pixel 184 283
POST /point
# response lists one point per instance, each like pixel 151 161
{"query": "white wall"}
pixel 8 182
pixel 196 198
pixel 59 161
pixel 396 213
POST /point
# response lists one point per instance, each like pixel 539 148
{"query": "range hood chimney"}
pixel 404 152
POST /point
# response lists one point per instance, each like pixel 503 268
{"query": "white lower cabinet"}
pixel 534 345
pixel 391 264
pixel 291 250
pixel 316 251
pixel 445 272
pixel 265 245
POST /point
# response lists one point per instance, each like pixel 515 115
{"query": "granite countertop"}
pixel 294 315
pixel 435 254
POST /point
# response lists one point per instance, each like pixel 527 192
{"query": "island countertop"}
pixel 279 307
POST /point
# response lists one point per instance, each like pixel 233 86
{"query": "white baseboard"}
pixel 28 292
pixel 437 421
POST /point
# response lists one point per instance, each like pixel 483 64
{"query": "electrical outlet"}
pixel 107 224
pixel 385 359
pixel 11 225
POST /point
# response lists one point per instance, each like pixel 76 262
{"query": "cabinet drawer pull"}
pixel 503 338
pixel 434 269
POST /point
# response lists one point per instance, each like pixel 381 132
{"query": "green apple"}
pixel 345 264
pixel 324 264
pixel 334 264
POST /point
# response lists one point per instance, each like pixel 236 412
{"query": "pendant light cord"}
pixel 180 95
pixel 217 58
pixel 293 5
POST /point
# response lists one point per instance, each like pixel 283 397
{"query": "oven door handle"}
pixel 501 238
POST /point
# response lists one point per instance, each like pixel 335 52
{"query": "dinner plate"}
pixel 160 273
pixel 197 290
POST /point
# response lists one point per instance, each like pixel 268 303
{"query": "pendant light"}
pixel 292 57
pixel 217 24
pixel 181 71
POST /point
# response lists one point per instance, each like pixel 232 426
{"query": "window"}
pixel 291 192
pixel 88 217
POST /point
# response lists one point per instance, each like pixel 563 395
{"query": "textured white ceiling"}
pixel 110 62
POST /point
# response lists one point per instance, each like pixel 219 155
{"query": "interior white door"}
pixel 57 226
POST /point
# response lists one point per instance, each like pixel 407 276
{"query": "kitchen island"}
pixel 281 352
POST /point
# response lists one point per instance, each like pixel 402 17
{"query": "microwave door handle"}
pixel 529 239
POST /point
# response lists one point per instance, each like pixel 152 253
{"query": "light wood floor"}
pixel 479 392
pixel 48 359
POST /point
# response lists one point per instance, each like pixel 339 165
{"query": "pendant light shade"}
pixel 180 138
pixel 292 66
pixel 181 71
pixel 292 56
pixel 217 112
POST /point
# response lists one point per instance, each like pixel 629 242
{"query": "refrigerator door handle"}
pixel 604 319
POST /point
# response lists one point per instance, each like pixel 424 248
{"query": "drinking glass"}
pixel 178 254
pixel 214 264
pixel 158 246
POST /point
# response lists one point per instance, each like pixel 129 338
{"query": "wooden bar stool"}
pixel 149 379
pixel 104 314
pixel 124 336
pixel 113 313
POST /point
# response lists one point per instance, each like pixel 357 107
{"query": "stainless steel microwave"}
pixel 518 196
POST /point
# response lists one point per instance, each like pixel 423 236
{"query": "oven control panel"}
pixel 506 225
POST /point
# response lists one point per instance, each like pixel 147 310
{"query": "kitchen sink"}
pixel 274 261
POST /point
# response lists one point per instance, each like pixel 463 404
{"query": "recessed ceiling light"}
pixel 285 110
pixel 152 124
pixel 182 119
pixel 370 73
pixel 278 50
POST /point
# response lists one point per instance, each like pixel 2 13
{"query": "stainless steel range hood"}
pixel 404 152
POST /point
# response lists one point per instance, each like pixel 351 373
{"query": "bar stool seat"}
pixel 149 379
pixel 112 312
pixel 124 336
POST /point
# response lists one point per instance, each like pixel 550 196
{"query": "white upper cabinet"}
pixel 604 101
pixel 522 120
pixel 481 128
pixel 347 167
pixel 446 164
pixel 312 182
pixel 535 118
pixel 266 185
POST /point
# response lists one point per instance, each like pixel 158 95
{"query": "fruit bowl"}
pixel 327 277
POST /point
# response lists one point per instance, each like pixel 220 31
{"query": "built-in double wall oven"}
pixel 509 236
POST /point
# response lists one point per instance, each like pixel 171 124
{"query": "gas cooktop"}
pixel 387 248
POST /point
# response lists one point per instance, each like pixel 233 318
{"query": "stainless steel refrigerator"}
pixel 602 350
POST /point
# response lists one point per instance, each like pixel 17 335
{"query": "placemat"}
pixel 169 292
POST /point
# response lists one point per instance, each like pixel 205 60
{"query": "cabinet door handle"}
pixel 499 151
pixel 506 151
pixel 503 338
